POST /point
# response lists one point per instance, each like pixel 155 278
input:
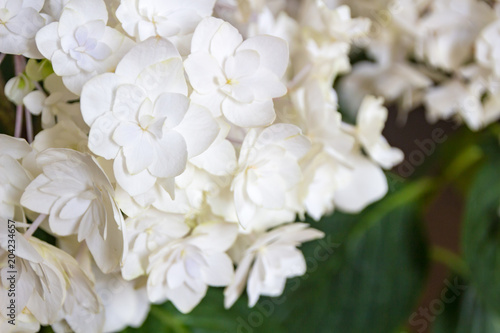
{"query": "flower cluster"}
pixel 180 142
pixel 442 54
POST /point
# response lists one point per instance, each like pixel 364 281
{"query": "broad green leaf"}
pixel 466 314
pixel 373 280
pixel 481 234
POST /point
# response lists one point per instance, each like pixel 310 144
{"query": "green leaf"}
pixel 373 280
pixel 481 234
pixel 465 315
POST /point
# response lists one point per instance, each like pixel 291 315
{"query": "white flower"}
pixel 76 194
pixel 17 88
pixel 182 270
pixel 488 47
pixel 444 40
pixel 65 134
pixel 171 19
pixel 145 233
pixel 365 183
pixel 80 45
pixel 125 302
pixel 40 285
pixel 269 261
pixel 371 119
pixel 56 106
pixel 268 170
pixel 20 20
pixel 323 176
pixel 82 308
pixel 236 78
pixel 13 176
pixel 141 118
pixel 353 180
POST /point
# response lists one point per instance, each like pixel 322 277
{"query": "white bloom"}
pixel 269 261
pixel 25 323
pixel 40 285
pixel 366 183
pixel 65 134
pixel 448 31
pixel 236 78
pixel 268 170
pixel 20 20
pixel 452 97
pixel 396 82
pixel 371 119
pixel 488 47
pixel 125 302
pixel 357 181
pixel 13 176
pixel 56 106
pixel 76 194
pixel 141 118
pixel 145 233
pixel 182 270
pixel 171 19
pixel 80 45
pixel 82 308
pixel 323 176
pixel 17 88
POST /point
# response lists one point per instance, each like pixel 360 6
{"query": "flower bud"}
pixel 18 87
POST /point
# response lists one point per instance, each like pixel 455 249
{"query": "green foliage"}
pixel 481 234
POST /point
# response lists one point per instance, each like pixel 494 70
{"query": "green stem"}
pixel 411 193
pixel 168 320
pixel 450 259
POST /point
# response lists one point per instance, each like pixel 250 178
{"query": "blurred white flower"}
pixel 371 119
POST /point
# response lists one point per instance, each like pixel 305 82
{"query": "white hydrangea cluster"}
pixel 180 142
pixel 439 53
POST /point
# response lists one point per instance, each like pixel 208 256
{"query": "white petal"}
pixel 273 52
pixel 255 114
pixel 199 129
pixel 133 184
pixel 98 96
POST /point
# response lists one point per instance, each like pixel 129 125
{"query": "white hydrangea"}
pixel 80 45
pixel 20 20
pixel 182 270
pixel 179 158
pixel 269 260
pixel 236 78
pixel 143 120
pixel 14 178
pixel 171 19
pixel 268 170
pixel 78 198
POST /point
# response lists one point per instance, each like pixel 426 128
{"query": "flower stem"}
pixel 19 121
pixel 29 125
pixel 450 260
pixel 19 65
pixel 31 230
